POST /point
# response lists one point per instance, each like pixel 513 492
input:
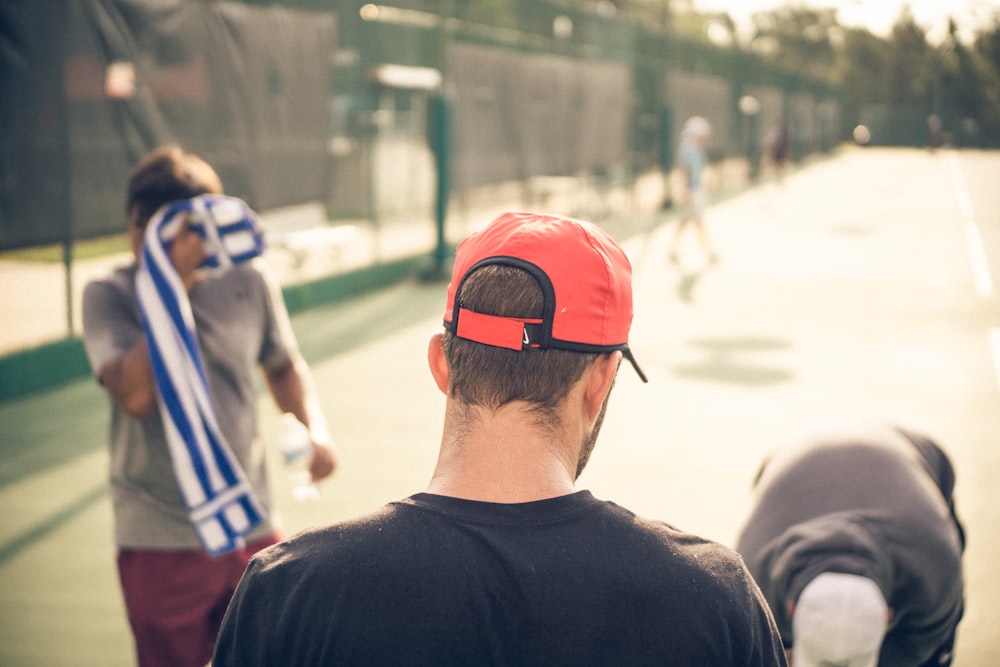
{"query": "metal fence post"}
pixel 440 107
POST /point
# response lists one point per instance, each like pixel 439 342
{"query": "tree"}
pixel 910 69
pixel 799 39
pixel 987 44
pixel 971 86
pixel 987 47
pixel 860 72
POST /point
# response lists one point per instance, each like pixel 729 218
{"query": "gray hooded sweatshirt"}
pixel 872 500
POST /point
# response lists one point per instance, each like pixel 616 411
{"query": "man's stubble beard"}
pixel 588 445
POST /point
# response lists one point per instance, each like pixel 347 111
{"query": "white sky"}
pixel 876 15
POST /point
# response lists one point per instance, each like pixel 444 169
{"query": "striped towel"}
pixel 220 501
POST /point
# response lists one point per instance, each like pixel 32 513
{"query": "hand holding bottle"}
pixel 296 448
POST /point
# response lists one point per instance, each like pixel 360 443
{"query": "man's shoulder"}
pixel 671 554
pixel 325 543
pixel 701 558
pixel 680 539
pixel 109 293
pixel 120 277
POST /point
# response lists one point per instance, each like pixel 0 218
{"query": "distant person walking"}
pixel 854 540
pixel 189 489
pixel 691 163
pixel 778 145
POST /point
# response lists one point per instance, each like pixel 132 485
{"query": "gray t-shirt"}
pixel 242 324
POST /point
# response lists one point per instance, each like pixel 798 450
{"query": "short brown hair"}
pixel 164 175
pixel 491 377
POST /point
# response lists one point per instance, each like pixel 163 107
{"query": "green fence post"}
pixel 440 139
pixel 666 139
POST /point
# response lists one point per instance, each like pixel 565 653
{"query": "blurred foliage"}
pixel 904 76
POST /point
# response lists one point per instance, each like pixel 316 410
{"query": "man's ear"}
pixel 438 364
pixel 601 377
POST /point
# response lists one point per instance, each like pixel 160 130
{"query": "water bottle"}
pixel 296 448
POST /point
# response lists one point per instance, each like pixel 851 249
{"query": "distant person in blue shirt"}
pixel 691 163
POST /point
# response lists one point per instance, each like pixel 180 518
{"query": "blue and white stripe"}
pixel 219 498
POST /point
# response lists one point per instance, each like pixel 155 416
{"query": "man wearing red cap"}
pixel 501 560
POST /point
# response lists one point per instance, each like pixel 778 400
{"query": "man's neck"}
pixel 503 457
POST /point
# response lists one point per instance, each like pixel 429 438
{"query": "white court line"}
pixel 977 252
pixel 977 257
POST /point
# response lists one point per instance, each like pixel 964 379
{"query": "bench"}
pixel 303 228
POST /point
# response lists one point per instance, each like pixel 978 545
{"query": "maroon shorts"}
pixel 176 600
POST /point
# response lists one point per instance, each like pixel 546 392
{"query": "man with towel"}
pixel 175 339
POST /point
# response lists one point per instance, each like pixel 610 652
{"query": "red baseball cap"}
pixel 585 277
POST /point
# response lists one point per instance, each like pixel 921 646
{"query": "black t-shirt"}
pixel 433 580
